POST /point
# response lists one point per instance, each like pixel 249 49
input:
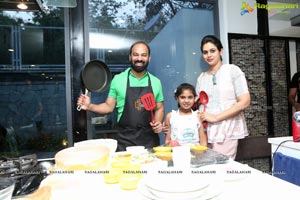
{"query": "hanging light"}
pixel 22 6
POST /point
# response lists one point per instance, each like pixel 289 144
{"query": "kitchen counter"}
pixel 287 146
pixel 286 159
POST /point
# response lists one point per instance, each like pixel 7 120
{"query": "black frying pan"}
pixel 95 76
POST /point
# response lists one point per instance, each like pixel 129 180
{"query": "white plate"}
pixel 176 183
pixel 229 171
pixel 210 192
pixel 177 195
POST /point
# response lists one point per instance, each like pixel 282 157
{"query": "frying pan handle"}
pixel 79 106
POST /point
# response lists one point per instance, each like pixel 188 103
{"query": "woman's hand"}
pixel 243 101
pixel 205 116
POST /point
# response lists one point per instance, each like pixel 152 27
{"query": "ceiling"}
pixel 286 22
pixel 36 5
pixel 293 30
pixel 285 1
pixel 287 14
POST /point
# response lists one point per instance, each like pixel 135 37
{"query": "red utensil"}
pixel 204 100
pixel 149 103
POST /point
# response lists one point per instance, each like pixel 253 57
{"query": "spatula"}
pixel 149 103
pixel 204 100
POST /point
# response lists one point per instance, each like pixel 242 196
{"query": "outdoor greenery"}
pixel 134 14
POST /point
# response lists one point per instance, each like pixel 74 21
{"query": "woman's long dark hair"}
pixel 212 39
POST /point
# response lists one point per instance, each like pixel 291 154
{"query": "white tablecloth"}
pixel 238 181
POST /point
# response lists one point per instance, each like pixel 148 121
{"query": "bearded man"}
pixel 135 127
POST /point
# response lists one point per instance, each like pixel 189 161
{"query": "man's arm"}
pixel 159 113
pixel 103 108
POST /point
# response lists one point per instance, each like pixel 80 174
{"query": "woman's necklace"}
pixel 214 79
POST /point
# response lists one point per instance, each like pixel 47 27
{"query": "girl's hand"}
pixel 167 142
pixel 174 143
pixel 165 128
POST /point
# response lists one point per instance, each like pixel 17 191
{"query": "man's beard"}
pixel 139 68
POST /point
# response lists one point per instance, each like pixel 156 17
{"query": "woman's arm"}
pixel 243 101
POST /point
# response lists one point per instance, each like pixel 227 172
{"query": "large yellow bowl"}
pixel 198 147
pixel 82 158
pixel 110 143
pixel 164 155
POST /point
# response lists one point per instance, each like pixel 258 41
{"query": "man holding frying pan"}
pixel 135 126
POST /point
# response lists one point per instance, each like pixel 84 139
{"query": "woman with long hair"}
pixel 228 96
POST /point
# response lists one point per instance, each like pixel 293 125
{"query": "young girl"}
pixel 184 125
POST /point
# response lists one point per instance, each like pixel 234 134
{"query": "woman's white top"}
pixel 184 128
pixel 230 83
